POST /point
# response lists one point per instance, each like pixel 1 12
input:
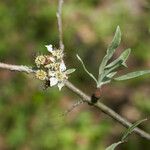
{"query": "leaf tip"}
pixel 118 30
pixel 118 27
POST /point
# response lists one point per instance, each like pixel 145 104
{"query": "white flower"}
pixel 52 67
pixel 56 53
pixel 51 73
pixel 60 85
pixel 62 66
pixel 57 78
pixel 49 48
pixel 53 81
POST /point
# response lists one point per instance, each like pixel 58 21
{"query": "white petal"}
pixel 62 66
pixel 51 73
pixel 60 85
pixel 49 47
pixel 53 81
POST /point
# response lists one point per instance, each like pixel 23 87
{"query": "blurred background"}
pixel 29 116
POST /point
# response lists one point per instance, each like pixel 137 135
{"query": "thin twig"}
pixel 86 99
pixel 59 19
pixel 70 109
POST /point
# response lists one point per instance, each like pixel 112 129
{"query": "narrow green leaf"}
pixel 113 68
pixel 123 57
pixel 115 42
pixel 130 130
pixel 103 82
pixel 113 146
pixel 132 75
pixel 116 64
pixel 90 74
pixel 111 49
pixel 107 79
pixel 110 75
pixel 69 71
pixel 102 66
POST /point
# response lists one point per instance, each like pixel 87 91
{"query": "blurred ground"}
pixel 29 116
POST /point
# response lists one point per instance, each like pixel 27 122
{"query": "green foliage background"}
pixel 30 117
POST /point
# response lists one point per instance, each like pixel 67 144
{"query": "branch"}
pixel 20 68
pixel 85 98
pixel 59 19
pixel 107 110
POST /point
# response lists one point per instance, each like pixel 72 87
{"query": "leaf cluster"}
pixel 107 70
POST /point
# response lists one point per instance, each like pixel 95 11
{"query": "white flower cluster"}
pixel 52 67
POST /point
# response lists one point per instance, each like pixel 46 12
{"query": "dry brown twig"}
pixel 72 107
pixel 76 90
